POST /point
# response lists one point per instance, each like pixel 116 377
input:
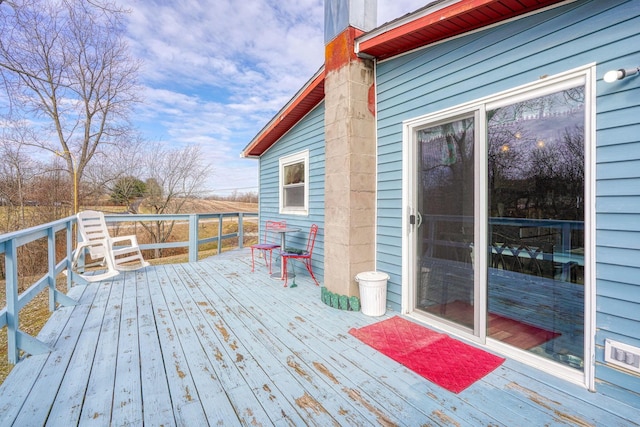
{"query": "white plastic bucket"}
pixel 373 292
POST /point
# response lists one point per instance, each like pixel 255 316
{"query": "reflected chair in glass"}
pixel 533 258
pixel 299 254
pixel 269 242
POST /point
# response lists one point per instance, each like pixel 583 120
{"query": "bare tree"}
pixel 49 188
pixel 65 65
pixel 113 163
pixel 17 171
pixel 173 177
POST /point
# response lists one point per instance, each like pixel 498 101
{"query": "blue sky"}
pixel 216 71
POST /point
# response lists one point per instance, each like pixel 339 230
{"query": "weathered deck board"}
pixel 288 352
pixel 213 344
pixel 128 388
pixel 81 353
pixel 155 388
pixel 303 340
pixel 270 356
pixel 96 409
pixel 238 348
pixel 199 362
pixel 64 375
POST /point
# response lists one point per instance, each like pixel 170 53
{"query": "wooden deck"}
pixel 210 343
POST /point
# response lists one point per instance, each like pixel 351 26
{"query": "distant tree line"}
pixel 237 196
pixel 68 87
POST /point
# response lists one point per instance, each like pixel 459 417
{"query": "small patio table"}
pixel 283 239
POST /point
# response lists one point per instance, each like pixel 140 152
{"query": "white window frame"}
pixel 300 157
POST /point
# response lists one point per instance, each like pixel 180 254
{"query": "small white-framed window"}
pixel 294 183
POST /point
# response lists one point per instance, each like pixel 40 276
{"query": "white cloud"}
pixel 216 71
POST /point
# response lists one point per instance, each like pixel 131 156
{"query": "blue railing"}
pixel 451 230
pixel 9 243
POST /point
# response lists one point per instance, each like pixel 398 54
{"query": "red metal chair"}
pixel 269 242
pixel 303 255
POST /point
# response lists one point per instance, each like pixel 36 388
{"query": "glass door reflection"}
pixel 536 225
pixel 445 286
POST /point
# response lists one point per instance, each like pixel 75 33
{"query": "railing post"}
pixel 240 230
pixel 80 264
pixel 69 231
pixel 51 260
pixel 566 237
pixel 193 238
pixel 219 234
pixel 11 263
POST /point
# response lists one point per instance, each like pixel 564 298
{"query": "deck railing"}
pixel 451 232
pixel 18 340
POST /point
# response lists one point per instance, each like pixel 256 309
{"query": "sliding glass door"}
pixel 500 239
pixel 536 209
pixel 446 208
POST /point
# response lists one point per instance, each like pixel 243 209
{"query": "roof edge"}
pixel 379 42
pixel 305 100
pixel 405 19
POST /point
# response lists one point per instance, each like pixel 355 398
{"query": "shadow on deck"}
pixel 210 343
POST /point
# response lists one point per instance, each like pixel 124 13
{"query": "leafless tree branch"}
pixel 65 65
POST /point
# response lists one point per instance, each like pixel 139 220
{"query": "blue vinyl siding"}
pixel 308 134
pixel 509 55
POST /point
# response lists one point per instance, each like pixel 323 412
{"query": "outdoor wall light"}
pixel 613 75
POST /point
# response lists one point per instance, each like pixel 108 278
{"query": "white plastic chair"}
pixel 114 253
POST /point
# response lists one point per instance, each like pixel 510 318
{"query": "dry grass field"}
pixel 36 313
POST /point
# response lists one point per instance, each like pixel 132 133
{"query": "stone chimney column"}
pixel 350 144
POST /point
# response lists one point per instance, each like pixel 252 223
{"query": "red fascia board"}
pixel 298 107
pixel 448 22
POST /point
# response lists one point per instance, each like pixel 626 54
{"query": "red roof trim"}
pixel 299 106
pixel 400 36
pixel 449 21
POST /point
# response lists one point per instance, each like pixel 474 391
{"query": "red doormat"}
pixel 437 357
pixel 505 329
